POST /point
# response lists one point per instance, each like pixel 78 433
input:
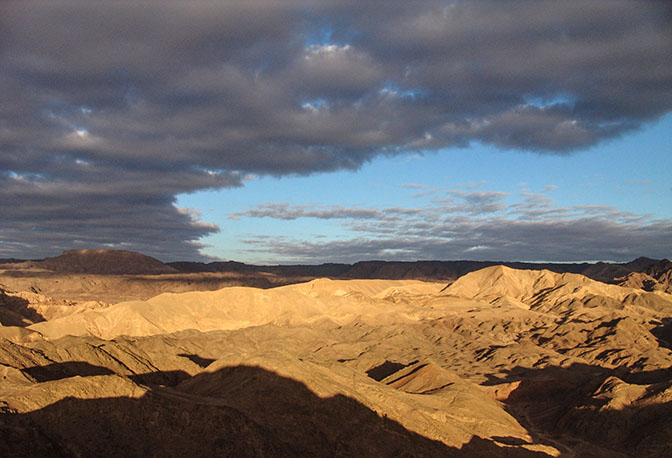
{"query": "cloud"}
pixel 413 186
pixel 479 202
pixel 287 212
pixel 422 190
pixel 284 211
pixel 161 98
pixel 532 229
pixel 574 240
pixel 105 210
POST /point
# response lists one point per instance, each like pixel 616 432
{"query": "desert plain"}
pixel 106 353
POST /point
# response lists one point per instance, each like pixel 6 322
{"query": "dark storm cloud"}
pixel 160 98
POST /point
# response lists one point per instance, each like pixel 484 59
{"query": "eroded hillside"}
pixel 501 362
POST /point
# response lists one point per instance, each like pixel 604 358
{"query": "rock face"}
pixel 502 362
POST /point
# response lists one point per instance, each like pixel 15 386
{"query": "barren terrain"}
pixel 497 362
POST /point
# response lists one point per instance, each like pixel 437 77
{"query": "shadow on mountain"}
pixel 663 333
pixel 160 378
pixel 14 311
pixel 240 411
pixel 569 405
pixel 386 369
pixel 58 371
pixel 206 282
pixel 203 362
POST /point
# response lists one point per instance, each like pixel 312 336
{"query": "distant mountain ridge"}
pixel 644 273
pixel 432 270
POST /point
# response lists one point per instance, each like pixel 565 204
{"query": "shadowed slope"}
pixel 279 417
pixel 15 310
pixel 656 277
pixel 584 405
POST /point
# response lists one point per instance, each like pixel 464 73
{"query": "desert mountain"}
pixel 654 277
pixel 118 262
pixel 501 362
pixel 104 262
pixel 549 291
pixel 104 276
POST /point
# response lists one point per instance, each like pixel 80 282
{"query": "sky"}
pixel 337 131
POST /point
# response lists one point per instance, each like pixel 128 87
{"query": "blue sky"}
pixel 629 174
pixel 291 132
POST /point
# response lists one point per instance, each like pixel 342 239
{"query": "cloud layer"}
pixel 475 225
pixel 111 109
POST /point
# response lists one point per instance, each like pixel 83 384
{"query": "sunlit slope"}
pixel 543 290
pixel 237 307
pixel 342 301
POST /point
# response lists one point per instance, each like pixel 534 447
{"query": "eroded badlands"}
pixel 501 362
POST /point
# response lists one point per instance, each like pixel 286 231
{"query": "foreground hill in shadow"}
pixel 583 405
pixel 280 418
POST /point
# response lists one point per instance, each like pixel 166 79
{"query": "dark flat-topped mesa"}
pixel 105 262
